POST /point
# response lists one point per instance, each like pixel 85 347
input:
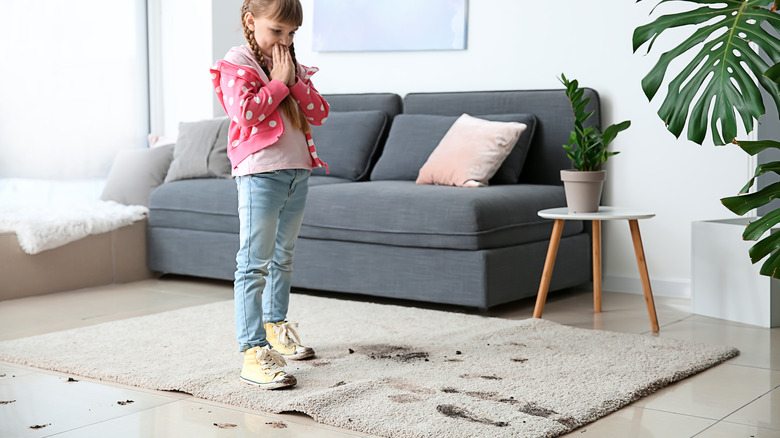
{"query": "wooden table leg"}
pixel 597 266
pixel 640 260
pixel 549 263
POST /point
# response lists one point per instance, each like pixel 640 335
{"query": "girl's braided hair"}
pixel 283 11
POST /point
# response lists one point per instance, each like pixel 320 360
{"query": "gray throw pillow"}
pixel 347 142
pixel 413 137
pixel 135 173
pixel 201 150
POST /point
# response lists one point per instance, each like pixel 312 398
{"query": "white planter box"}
pixel 724 284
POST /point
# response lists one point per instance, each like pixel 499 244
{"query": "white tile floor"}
pixel 740 398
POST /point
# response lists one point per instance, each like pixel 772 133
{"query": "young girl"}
pixel 271 103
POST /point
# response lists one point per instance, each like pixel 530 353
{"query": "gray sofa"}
pixel 370 229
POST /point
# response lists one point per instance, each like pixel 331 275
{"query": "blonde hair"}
pixel 286 12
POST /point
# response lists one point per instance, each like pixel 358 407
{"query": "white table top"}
pixel 604 214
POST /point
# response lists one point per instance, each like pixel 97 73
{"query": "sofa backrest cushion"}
pixel 546 156
pixel 390 103
pixel 347 142
pixel 136 173
pixel 413 137
pixel 201 150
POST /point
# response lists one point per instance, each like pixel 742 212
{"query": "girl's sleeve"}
pixel 313 105
pixel 245 98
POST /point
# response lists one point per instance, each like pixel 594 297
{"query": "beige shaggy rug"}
pixel 387 370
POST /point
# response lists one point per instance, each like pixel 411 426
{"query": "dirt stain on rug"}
pixel 393 352
pixel 404 398
pixel 529 408
pixel 403 385
pixel 456 412
pixel 475 376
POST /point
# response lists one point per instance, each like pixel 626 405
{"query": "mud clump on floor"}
pixel 126 402
pixel 225 425
pixel 40 426
pixel 277 424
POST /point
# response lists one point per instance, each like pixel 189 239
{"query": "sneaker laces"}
pixel 287 335
pixel 270 357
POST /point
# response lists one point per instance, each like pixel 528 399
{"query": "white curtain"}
pixel 74 86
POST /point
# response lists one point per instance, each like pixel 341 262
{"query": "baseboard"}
pixel 661 288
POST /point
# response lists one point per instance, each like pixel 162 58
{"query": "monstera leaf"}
pixel 745 201
pixel 722 75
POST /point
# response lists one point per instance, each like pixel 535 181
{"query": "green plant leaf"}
pixel 764 247
pixel 613 130
pixel 773 73
pixel 719 78
pixel 742 204
pixel 757 228
pixel 761 169
pixel 771 266
pixel 754 147
pixel 587 148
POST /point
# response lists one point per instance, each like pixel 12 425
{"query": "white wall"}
pixel 184 47
pixel 523 44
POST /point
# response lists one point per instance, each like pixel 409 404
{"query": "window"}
pixel 75 86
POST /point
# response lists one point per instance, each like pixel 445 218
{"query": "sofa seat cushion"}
pixel 319 180
pixel 204 204
pixel 403 213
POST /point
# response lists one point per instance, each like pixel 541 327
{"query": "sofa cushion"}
pixel 389 103
pixel 413 137
pixel 551 108
pixel 135 173
pixel 403 213
pixel 471 152
pixel 201 150
pixel 204 204
pixel 347 141
pixel 316 180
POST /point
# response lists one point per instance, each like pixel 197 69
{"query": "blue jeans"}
pixel 270 211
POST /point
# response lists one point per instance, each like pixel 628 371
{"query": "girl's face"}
pixel 269 33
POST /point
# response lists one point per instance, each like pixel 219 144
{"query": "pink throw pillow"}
pixel 471 152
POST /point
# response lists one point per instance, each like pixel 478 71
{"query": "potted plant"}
pixel 588 151
pixel 727 71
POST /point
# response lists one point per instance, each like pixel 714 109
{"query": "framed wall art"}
pixel 398 25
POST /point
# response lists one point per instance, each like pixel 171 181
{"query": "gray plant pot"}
pixel 583 189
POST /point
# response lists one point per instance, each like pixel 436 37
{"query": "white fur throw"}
pixel 39 228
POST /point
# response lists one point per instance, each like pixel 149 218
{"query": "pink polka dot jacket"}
pixel 252 104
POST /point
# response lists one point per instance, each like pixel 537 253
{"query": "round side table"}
pixel 605 213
